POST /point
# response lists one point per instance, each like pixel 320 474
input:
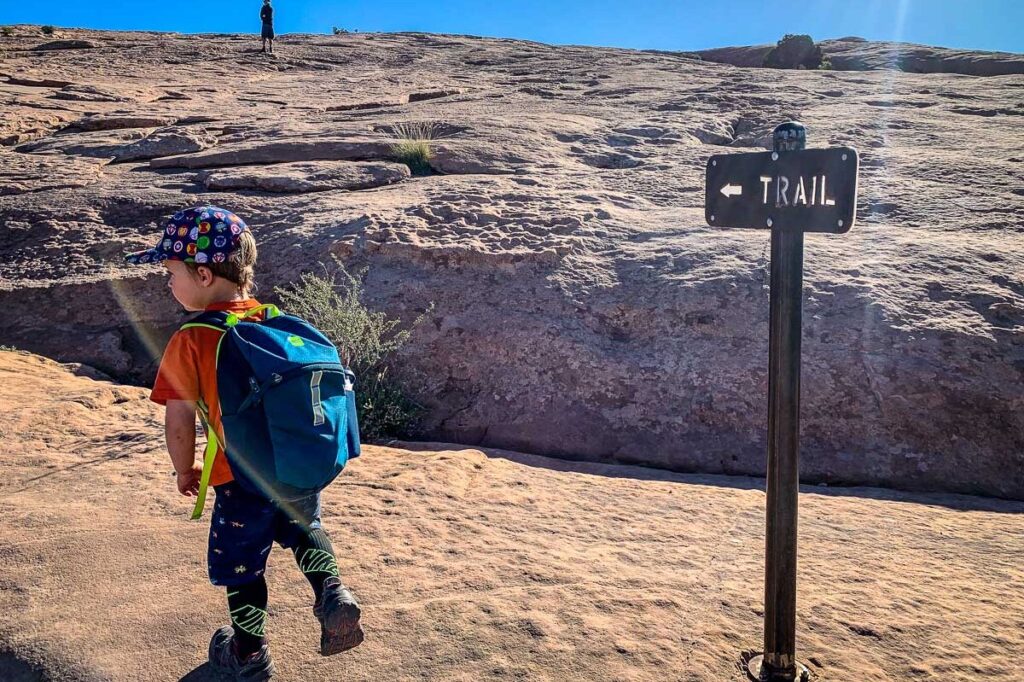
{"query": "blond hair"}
pixel 240 266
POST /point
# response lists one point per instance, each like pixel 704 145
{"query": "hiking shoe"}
pixel 338 614
pixel 224 658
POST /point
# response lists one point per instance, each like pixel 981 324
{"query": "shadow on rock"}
pixel 203 673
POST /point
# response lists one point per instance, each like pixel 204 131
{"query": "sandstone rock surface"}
pixel 581 306
pixel 115 122
pixel 280 152
pixel 32 173
pixel 123 144
pixel 857 54
pixel 65 45
pixel 479 564
pixel 305 176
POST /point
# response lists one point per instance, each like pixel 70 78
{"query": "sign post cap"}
pixel 789 137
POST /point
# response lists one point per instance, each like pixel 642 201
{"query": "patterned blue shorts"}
pixel 244 527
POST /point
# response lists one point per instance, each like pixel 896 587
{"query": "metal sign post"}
pixel 783 480
pixel 789 191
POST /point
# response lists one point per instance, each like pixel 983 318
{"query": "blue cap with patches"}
pixel 204 234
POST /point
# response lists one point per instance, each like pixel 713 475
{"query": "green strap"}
pixel 204 481
pixel 208 456
pixel 201 324
pixel 271 309
pixel 235 318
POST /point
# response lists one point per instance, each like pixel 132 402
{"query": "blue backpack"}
pixel 287 405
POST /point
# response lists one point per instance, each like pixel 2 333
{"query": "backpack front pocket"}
pixel 307 416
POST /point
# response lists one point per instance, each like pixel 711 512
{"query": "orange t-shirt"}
pixel 188 371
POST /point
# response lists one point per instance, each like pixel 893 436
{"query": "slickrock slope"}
pixel 857 54
pixel 481 564
pixel 582 308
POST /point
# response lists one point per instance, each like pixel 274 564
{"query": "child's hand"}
pixel 188 482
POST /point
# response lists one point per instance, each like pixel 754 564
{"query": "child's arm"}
pixel 180 432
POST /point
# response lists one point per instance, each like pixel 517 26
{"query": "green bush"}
pixel 6 31
pixel 794 52
pixel 366 340
pixel 47 30
pixel 338 31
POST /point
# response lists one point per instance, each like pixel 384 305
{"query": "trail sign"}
pixel 789 191
pixel 810 190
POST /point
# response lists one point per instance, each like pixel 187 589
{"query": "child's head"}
pixel 210 254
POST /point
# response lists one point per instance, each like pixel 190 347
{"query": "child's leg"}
pixel 247 605
pixel 315 557
pixel 242 530
pixel 299 530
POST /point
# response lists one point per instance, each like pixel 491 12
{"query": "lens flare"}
pixel 125 291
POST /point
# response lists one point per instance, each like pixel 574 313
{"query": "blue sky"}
pixel 655 24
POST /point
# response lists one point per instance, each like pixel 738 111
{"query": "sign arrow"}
pixel 732 190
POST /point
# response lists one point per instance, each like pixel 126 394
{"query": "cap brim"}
pixel 143 257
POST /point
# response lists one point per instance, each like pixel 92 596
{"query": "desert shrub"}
pixel 415 154
pixel 47 30
pixel 366 340
pixel 413 147
pixel 6 31
pixel 794 52
pixel 338 31
pixel 826 64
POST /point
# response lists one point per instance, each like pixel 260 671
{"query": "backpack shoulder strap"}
pixel 217 320
pixel 212 319
pixel 222 321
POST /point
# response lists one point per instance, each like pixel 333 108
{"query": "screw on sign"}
pixel 790 190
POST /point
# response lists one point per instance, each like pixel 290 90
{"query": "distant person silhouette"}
pixel 267 17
